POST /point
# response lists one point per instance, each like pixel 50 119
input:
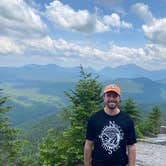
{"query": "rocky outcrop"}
pixel 163 130
pixel 149 154
pixel 151 151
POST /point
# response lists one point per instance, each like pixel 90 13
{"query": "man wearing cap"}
pixel 110 137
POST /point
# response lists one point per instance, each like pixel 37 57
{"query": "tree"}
pixel 153 122
pixel 10 145
pixel 130 107
pixel 68 148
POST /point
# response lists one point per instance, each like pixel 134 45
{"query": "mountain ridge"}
pixel 35 91
pixel 53 72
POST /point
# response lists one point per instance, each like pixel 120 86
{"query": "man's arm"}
pixel 131 155
pixel 87 152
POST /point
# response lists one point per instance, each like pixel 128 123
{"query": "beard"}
pixel 111 105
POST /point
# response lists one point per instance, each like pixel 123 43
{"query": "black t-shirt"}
pixel 110 135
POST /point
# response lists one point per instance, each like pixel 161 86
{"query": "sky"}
pixel 93 33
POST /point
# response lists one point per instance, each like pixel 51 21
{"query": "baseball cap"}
pixel 113 88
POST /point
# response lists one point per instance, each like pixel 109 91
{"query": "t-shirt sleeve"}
pixel 90 130
pixel 131 136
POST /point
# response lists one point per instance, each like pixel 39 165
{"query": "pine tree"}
pixel 68 148
pixel 10 145
pixel 153 122
pixel 130 107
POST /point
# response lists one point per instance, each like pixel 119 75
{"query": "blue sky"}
pixel 94 33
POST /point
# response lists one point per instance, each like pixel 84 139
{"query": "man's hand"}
pixel 87 152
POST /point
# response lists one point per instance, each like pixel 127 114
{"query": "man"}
pixel 110 137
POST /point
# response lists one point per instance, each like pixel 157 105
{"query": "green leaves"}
pixel 130 107
pixel 143 126
pixel 10 145
pixel 67 146
pixel 153 121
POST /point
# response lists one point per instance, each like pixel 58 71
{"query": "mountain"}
pixel 126 71
pixel 52 72
pixel 33 100
pixel 36 91
pixel 142 90
pixel 131 71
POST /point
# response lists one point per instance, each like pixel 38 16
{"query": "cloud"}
pixel 156 32
pixel 150 57
pixel 81 21
pixel 62 48
pixel 24 38
pixel 18 20
pixel 154 29
pixel 143 12
pixel 114 21
pixel 8 46
pixel 67 53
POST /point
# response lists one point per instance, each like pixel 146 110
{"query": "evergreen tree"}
pixel 68 148
pixel 153 122
pixel 10 145
pixel 130 107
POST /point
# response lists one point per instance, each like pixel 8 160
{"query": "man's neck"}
pixel 111 112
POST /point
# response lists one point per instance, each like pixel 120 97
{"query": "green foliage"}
pixel 139 132
pixel 36 131
pixel 153 121
pixel 66 148
pixel 130 107
pixel 30 101
pixel 51 151
pixel 144 126
pixel 10 146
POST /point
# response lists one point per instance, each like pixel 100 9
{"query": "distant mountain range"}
pixel 131 71
pixel 52 72
pixel 36 91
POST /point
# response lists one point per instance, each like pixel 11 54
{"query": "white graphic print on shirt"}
pixel 111 136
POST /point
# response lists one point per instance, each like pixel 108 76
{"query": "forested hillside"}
pixel 44 112
pixel 33 100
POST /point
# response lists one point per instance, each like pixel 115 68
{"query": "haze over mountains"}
pixel 36 91
pixel 52 72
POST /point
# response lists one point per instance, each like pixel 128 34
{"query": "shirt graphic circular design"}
pixel 111 136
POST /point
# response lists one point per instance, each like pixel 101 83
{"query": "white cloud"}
pixel 9 46
pixel 68 53
pixel 45 43
pixel 143 12
pixel 150 57
pixel 24 38
pixel 156 32
pixel 61 47
pixel 18 20
pixel 146 57
pixel 154 29
pixel 114 21
pixel 81 21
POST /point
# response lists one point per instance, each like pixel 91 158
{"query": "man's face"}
pixel 111 100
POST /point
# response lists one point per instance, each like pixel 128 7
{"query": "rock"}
pixel 148 134
pixel 149 154
pixel 163 130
